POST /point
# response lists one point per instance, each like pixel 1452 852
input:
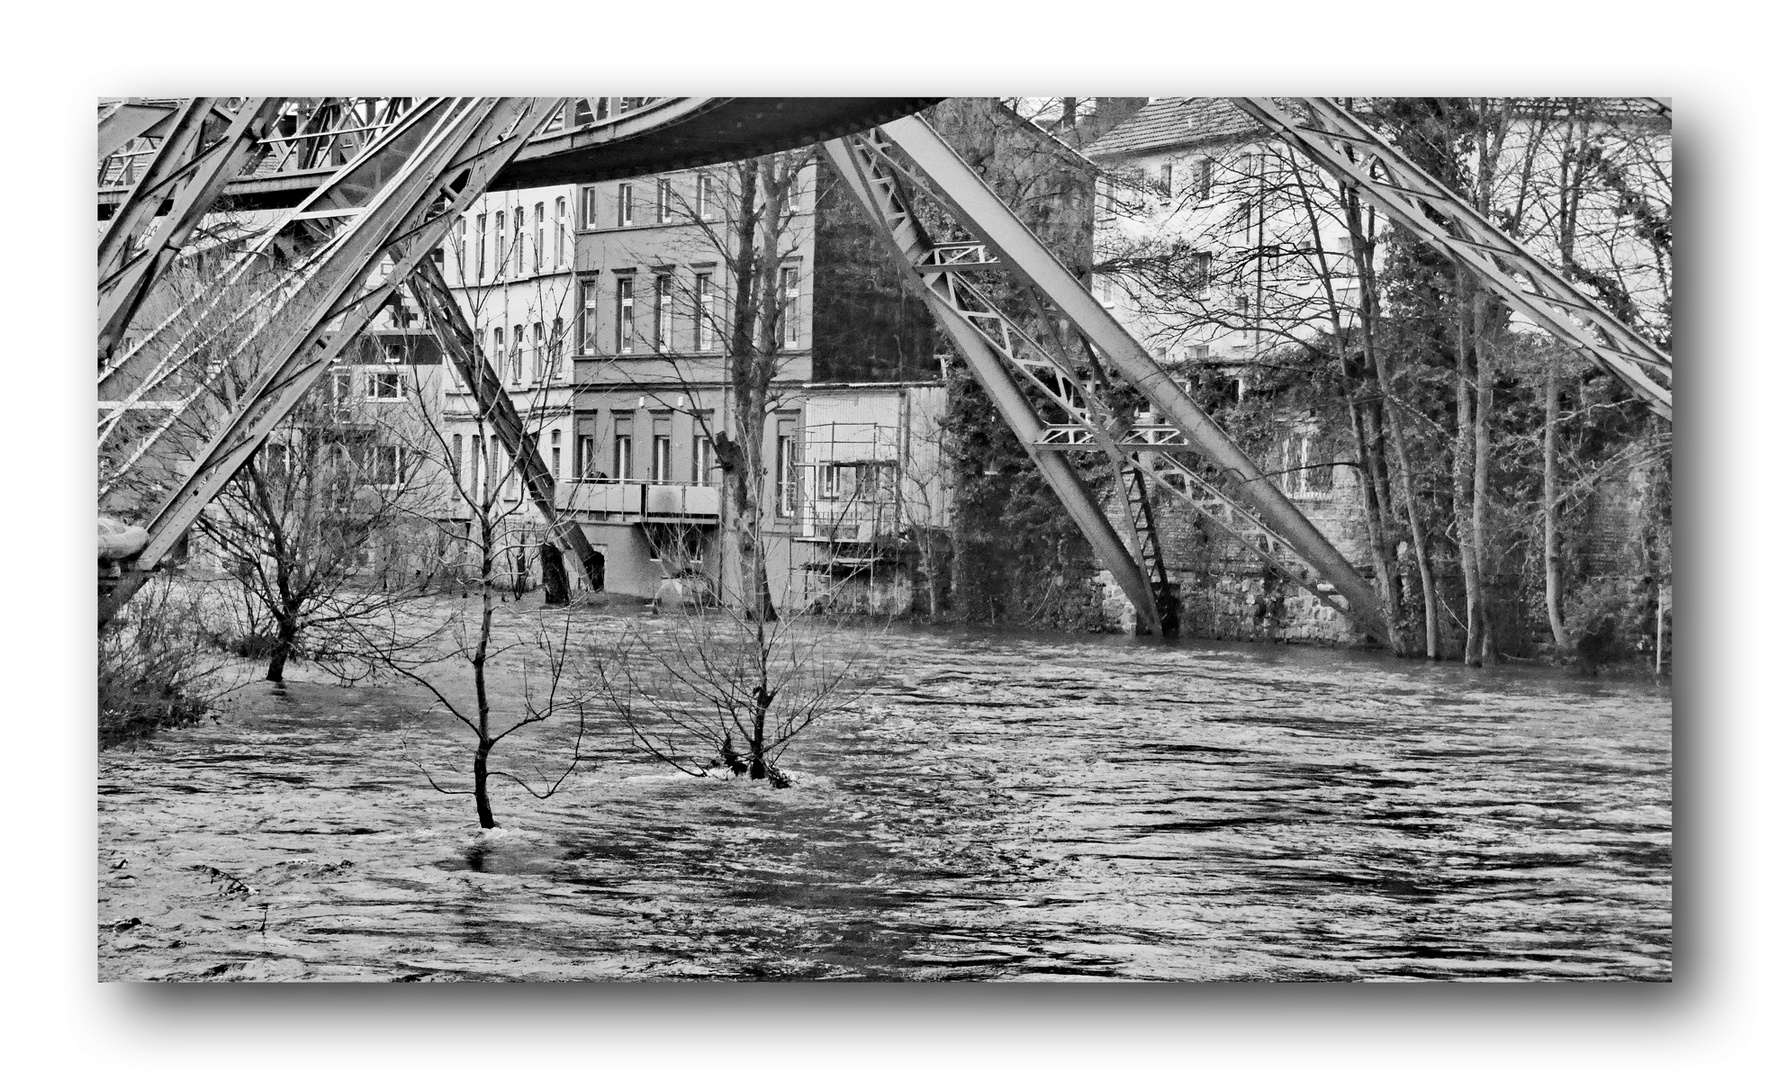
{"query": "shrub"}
pixel 155 667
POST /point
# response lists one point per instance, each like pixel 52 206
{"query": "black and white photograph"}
pixel 1005 542
pixel 1072 538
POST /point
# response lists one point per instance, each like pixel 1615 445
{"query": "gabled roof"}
pixel 1175 122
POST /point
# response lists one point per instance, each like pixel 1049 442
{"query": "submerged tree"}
pixel 709 688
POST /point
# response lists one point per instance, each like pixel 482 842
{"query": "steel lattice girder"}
pixel 989 220
pixel 1411 196
pixel 876 190
pixel 196 171
pixel 483 381
pixel 420 200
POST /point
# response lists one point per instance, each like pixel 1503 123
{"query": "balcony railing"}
pixel 640 500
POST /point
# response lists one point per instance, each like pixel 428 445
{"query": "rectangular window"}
pixel 559 244
pixel 474 466
pixel 789 305
pixel 497 244
pixel 497 352
pixel 384 386
pixel 479 247
pixel 703 312
pixel 521 245
pixel 623 456
pixel 1203 177
pixel 386 466
pixel 665 192
pixel 539 371
pixel 516 355
pixel 703 195
pixel 586 456
pixel 665 314
pixel 623 206
pixel 1164 183
pixel 660 455
pixel 558 449
pixel 586 218
pixel 540 236
pixel 623 315
pixel 556 350
pixel 702 465
pixel 340 385
pixel 786 455
pixel 586 314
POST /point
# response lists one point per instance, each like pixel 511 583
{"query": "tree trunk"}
pixel 1551 504
pixel 1462 499
pixel 481 796
pixel 553 579
pixel 283 648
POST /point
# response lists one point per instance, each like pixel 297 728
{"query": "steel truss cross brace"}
pixel 455 331
pixel 1268 523
pixel 464 142
pixel 1342 144
pixel 191 166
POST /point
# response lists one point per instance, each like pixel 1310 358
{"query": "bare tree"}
pixel 711 688
pixel 323 528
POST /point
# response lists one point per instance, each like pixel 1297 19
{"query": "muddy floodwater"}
pixel 1001 807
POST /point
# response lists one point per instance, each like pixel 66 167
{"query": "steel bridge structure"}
pixel 363 189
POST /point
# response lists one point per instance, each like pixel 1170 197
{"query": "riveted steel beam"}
pixel 191 172
pixel 1335 139
pixel 915 254
pixel 410 215
pixel 989 220
pixel 476 372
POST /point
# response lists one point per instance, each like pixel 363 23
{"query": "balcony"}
pixel 640 500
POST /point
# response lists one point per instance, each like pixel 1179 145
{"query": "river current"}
pixel 1001 807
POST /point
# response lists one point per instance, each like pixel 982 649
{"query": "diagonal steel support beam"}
pixel 1345 146
pixel 972 202
pixel 458 342
pixel 915 253
pixel 192 173
pixel 420 200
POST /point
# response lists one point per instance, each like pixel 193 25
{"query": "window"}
pixel 1200 267
pixel 516 355
pixel 586 218
pixel 557 450
pixel 789 305
pixel 394 351
pixel 623 206
pixel 586 455
pixel 540 236
pixel 556 350
pixel 384 386
pixel 703 195
pixel 664 315
pixel 386 465
pixel 498 244
pixel 586 314
pixel 1241 309
pixel 1203 176
pixel 786 453
pixel 623 447
pixel 340 385
pixel 454 465
pixel 521 244
pixel 623 315
pixel 703 312
pixel 474 472
pixel 559 232
pixel 537 341
pixel 1164 180
pixel 497 352
pixel 665 192
pixel 702 465
pixel 660 451
pixel 479 247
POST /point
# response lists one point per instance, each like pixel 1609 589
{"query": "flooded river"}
pixel 1000 807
